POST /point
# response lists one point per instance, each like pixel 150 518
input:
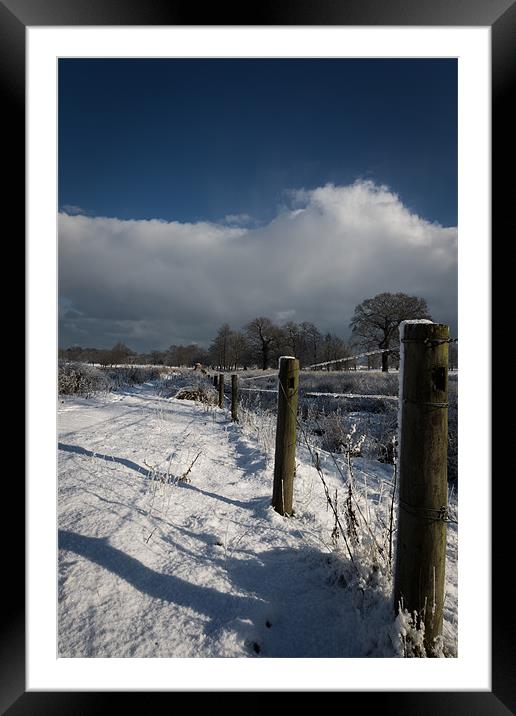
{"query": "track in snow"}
pixel 149 566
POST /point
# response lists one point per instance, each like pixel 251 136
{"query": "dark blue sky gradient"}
pixel 192 140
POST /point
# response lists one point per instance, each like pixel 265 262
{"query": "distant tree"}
pixel 453 360
pixel 91 355
pixel 145 359
pixel 187 355
pixel 220 347
pixel 374 362
pixel 104 357
pixel 171 355
pixel 375 323
pixel 120 353
pixel 199 354
pixel 263 337
pixel 86 355
pixel 312 339
pixel 333 348
pixel 294 339
pixel 158 357
pixel 74 353
pixel 238 351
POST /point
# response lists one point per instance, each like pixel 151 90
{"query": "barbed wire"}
pixel 260 377
pixel 348 358
pixel 258 390
pixel 314 394
pixel 430 341
pixel 442 514
pixel 427 341
pixel 315 461
pixel 431 514
pixel 439 341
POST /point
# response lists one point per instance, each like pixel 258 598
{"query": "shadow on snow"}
pixel 283 602
pixel 109 458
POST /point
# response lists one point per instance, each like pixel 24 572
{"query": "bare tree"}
pixel 312 338
pixel 219 348
pixel 158 357
pixel 238 349
pixel 454 356
pixel 334 348
pixel 73 353
pixel 293 338
pixel 263 337
pixel 375 323
pixel 185 355
pixel 120 353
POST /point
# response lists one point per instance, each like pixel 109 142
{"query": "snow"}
pixel 151 565
pixel 412 321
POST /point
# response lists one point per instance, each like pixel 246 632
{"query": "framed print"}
pixel 51 58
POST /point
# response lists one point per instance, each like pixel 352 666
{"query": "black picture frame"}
pixel 500 16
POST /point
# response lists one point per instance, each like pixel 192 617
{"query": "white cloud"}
pixel 74 209
pixel 160 282
pixel 238 219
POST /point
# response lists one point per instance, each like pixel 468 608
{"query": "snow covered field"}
pixel 152 565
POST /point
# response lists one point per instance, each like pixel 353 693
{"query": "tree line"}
pixel 374 325
pixel 120 353
pixel 261 342
pixel 258 344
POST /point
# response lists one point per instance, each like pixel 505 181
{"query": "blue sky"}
pixel 199 139
pixel 240 157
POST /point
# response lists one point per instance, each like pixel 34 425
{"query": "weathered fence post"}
pixel 221 390
pixel 234 397
pixel 423 488
pixel 285 456
pixel 385 362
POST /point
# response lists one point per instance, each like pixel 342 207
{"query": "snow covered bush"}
pixel 83 379
pixel 132 375
pixel 257 417
pixel 184 385
pixel 333 434
pixel 80 379
pixel 338 437
pixel 201 393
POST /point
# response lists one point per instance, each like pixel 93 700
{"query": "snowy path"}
pixel 160 568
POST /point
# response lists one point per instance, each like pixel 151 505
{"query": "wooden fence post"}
pixel 385 361
pixel 285 455
pixel 423 489
pixel 234 397
pixel 221 390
